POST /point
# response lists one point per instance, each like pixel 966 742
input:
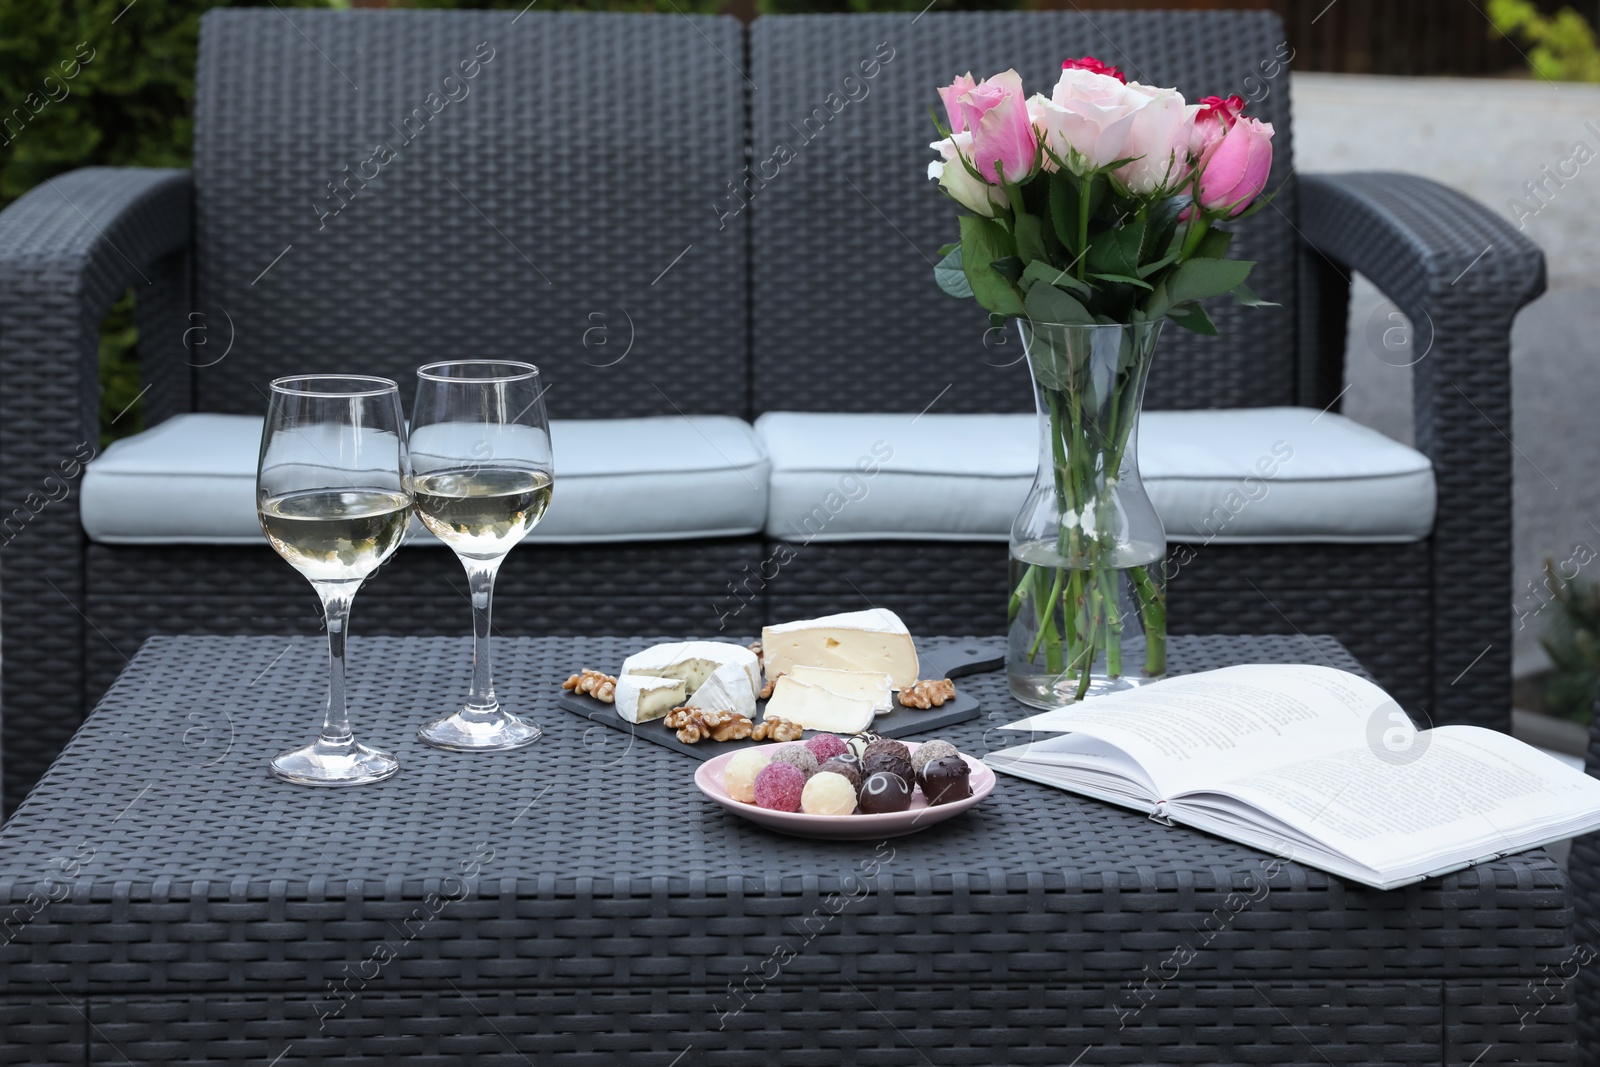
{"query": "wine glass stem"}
pixel 480 581
pixel 336 612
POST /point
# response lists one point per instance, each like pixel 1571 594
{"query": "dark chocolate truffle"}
pixel 883 792
pixel 929 751
pixel 945 779
pixel 888 761
pixel 846 767
pixel 858 743
pixel 888 745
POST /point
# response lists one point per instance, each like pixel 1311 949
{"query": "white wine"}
pixel 481 511
pixel 336 535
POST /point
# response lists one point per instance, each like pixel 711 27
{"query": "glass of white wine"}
pixel 332 499
pixel 481 476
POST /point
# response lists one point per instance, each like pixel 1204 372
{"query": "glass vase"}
pixel 1088 608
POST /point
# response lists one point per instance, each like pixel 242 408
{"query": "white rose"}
pixel 1160 138
pixel 1086 119
pixel 974 194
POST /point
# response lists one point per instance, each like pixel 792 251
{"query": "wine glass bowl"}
pixel 332 501
pixel 482 473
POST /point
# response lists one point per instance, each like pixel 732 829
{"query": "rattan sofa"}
pixel 583 198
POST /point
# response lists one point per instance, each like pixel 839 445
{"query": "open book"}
pixel 1313 764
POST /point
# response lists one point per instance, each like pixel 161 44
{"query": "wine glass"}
pixel 481 476
pixel 331 496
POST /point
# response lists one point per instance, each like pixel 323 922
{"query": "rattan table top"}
pixel 157 850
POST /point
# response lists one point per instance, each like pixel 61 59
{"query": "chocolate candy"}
pixel 858 742
pixel 929 751
pixel 779 786
pixel 883 792
pixel 847 767
pixel 828 794
pixel 797 756
pixel 827 746
pixel 886 745
pixel 888 761
pixel 946 779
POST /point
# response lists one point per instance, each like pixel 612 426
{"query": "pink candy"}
pixel 826 746
pixel 779 786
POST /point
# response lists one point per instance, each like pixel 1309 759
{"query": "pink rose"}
pixel 1003 144
pixel 1160 139
pixel 1235 167
pixel 1086 119
pixel 953 177
pixel 950 94
pixel 1215 118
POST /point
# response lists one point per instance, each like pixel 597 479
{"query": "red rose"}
pixel 1094 66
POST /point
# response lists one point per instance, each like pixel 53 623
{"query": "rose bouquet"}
pixel 1095 215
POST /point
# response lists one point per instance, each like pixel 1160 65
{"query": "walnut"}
pixel 695 724
pixel 776 729
pixel 766 690
pixel 603 687
pixel 928 694
pixel 755 646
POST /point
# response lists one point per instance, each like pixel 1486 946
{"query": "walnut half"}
pixel 928 694
pixel 603 687
pixel 766 690
pixel 696 724
pixel 776 729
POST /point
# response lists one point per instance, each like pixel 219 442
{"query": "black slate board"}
pixel 946 660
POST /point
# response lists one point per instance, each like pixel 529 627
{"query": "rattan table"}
pixel 164 901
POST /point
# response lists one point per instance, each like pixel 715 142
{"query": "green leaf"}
pixel 1247 296
pixel 1196 279
pixel 1214 245
pixel 1123 279
pixel 945 250
pixel 1116 250
pixel 1162 220
pixel 1064 210
pixel 1029 232
pixel 1194 317
pixel 1165 261
pixel 1043 272
pixel 982 242
pixel 1046 303
pixel 948 273
pixel 1009 268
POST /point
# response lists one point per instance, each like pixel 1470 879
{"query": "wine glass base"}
pixel 335 765
pixel 467 732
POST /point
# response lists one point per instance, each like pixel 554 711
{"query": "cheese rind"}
pixel 863 685
pixel 728 689
pixel 872 640
pixel 693 661
pixel 643 698
pixel 815 708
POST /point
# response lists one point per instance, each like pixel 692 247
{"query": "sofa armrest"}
pixel 68 249
pixel 1460 273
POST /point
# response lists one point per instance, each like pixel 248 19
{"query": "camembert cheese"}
pixel 872 640
pixel 815 708
pixel 642 698
pixel 864 685
pixel 728 689
pixel 693 661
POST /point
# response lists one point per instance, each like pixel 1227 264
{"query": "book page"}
pixel 1197 730
pixel 1467 794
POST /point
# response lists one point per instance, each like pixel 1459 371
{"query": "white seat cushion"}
pixel 1241 476
pixel 191 480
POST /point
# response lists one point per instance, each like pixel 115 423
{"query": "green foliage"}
pixel 1572 639
pixel 1562 46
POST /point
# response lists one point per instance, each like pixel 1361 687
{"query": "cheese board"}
pixel 946 659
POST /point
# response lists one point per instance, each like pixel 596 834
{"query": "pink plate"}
pixel 708 776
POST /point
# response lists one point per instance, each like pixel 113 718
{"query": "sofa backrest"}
pixel 845 312
pixel 378 189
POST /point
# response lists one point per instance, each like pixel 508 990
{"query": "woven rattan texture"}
pixel 797 1022
pixel 1460 274
pixel 157 854
pixel 1373 598
pixel 511 209
pixel 846 233
pixel 1582 971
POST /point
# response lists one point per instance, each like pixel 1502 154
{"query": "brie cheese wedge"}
pixel 863 685
pixel 728 689
pixel 693 661
pixel 815 708
pixel 872 640
pixel 642 698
